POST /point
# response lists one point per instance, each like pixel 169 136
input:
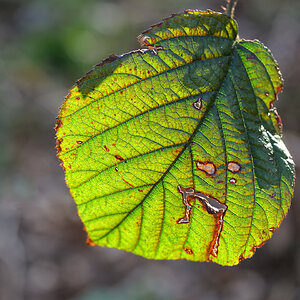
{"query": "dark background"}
pixel 45 46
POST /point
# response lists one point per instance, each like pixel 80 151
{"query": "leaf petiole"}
pixel 231 4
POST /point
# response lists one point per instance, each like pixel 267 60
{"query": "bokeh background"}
pixel 45 46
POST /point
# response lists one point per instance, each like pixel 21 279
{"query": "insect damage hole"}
pixel 187 196
pixel 211 205
pixel 207 167
pixel 234 167
pixel 198 104
pixel 233 180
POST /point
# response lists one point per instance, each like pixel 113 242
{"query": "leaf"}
pixel 174 150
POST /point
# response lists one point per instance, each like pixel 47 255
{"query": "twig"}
pixel 231 4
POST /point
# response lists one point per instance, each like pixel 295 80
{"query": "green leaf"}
pixel 174 150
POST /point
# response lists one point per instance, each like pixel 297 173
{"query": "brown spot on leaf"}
pixel 116 169
pixel 211 206
pixel 73 155
pixel 105 147
pixel 79 142
pixel 68 96
pixel 219 216
pixel 118 157
pixel 233 180
pixel 279 89
pixel 272 229
pixel 234 167
pixel 189 251
pixel 208 167
pixel 58 124
pixel 62 165
pixel 155 48
pixel 58 142
pixel 127 182
pixel 242 256
pixel 140 190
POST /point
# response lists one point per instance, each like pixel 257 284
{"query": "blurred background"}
pixel 45 46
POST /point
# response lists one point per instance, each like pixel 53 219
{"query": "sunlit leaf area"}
pixel 188 118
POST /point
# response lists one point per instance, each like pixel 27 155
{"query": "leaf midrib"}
pixel 179 155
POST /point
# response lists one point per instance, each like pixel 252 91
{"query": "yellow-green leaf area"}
pixel 174 151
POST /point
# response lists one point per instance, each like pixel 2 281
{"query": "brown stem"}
pixel 231 4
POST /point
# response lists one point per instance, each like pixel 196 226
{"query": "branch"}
pixel 230 7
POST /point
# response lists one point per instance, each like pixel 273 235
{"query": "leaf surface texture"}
pixel 174 150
